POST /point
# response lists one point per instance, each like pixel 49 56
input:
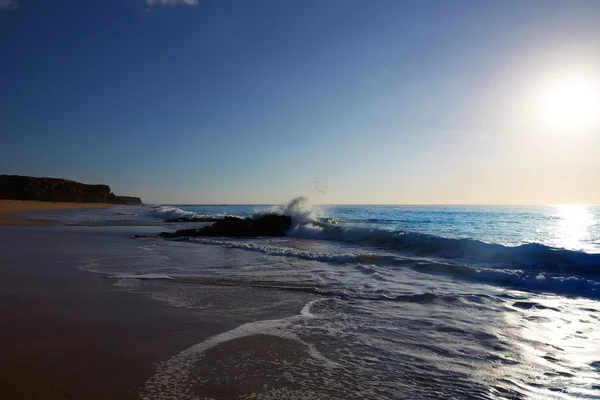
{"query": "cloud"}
pixel 8 4
pixel 151 3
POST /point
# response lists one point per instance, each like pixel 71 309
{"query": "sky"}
pixel 344 101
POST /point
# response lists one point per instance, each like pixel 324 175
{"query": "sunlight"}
pixel 570 103
pixel 558 342
pixel 573 226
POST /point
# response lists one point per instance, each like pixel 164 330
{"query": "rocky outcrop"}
pixel 15 187
pixel 125 200
pixel 194 219
pixel 267 225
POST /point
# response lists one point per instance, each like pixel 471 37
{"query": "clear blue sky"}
pixel 253 101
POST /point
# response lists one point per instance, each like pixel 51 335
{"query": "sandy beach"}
pixel 91 312
pixel 71 334
pixel 10 207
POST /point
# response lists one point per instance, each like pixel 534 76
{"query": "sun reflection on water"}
pixel 573 228
pixel 559 348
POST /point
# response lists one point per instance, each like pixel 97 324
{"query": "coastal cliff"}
pixel 125 200
pixel 16 187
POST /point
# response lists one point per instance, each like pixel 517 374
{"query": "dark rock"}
pixel 125 200
pixel 15 187
pixel 195 219
pixel 268 225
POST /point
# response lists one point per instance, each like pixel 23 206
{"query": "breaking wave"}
pixel 309 223
pixel 533 256
pixel 291 252
pixel 544 281
pixel 171 212
pixel 299 209
pixel 530 266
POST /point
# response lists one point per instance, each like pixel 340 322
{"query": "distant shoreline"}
pixel 10 207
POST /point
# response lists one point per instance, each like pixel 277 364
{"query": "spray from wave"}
pixel 309 222
pixel 531 265
pixel 299 209
pixel 171 212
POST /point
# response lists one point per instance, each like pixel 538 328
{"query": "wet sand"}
pixel 70 334
pixel 256 365
pixel 66 335
pixel 10 207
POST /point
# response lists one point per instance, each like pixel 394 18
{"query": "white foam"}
pixel 91 266
pixel 305 312
pixel 124 283
pixel 288 251
pixel 169 212
pixel 141 276
pixel 172 378
pixel 545 282
pixel 299 209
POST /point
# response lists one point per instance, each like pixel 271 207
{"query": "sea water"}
pixel 409 301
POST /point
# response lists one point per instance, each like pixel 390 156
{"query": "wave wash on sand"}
pixel 390 311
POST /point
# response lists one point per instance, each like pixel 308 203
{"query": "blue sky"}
pixel 216 101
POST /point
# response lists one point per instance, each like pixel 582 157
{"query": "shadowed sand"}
pixel 69 334
pixel 8 207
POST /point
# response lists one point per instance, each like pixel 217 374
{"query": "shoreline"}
pixel 8 209
pixel 69 333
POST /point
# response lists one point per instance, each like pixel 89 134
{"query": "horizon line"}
pixel 386 204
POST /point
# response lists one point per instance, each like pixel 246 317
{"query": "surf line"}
pixel 172 378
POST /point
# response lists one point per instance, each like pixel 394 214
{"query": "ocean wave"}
pixel 531 266
pixel 517 279
pixel 171 213
pixel 292 252
pixel 299 209
pixel 532 256
pixel 353 294
pixel 322 290
pixel 143 276
pixel 522 279
pixel 565 284
pixel 375 220
pixel 308 222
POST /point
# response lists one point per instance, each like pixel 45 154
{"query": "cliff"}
pixel 126 200
pixel 15 187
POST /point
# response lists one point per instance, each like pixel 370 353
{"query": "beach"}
pixel 10 207
pixel 66 335
pixel 70 334
pixel 300 200
pixel 335 309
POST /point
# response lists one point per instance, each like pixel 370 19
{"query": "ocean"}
pixel 415 302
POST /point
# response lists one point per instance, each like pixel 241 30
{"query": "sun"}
pixel 570 103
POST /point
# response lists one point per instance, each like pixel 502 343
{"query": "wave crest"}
pixel 299 209
pixel 170 212
pixel 532 256
pixel 291 252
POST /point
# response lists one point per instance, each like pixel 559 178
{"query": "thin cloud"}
pixel 8 4
pixel 151 3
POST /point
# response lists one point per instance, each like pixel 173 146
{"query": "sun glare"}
pixel 571 103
